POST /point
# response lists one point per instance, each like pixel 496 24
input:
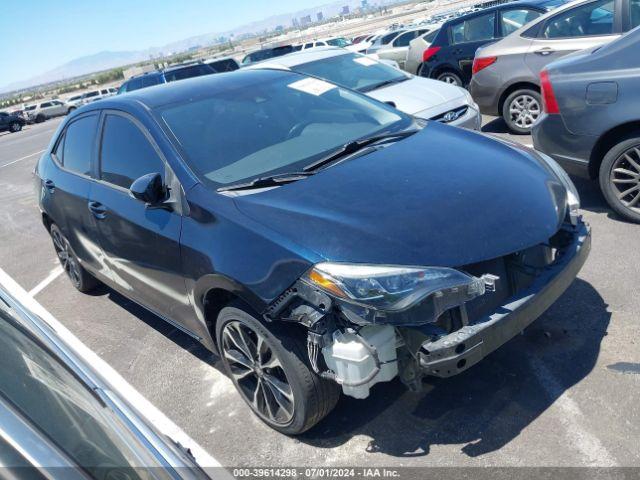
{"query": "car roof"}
pixel 502 6
pixel 300 57
pixel 189 88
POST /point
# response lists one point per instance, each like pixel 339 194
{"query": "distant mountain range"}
pixel 110 59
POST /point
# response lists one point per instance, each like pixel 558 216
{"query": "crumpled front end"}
pixel 373 325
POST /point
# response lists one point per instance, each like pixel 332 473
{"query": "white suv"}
pixel 40 112
pixel 94 95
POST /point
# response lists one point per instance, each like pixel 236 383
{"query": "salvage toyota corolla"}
pixel 317 239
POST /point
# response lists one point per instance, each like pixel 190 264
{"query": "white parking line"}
pixel 55 273
pixel 571 417
pixel 155 417
pixel 20 159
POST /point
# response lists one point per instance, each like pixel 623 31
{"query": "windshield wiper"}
pixel 386 83
pixel 267 181
pixel 354 146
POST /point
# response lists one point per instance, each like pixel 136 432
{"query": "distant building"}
pixel 306 20
pixel 364 4
pixel 320 16
pixel 279 28
pixel 345 10
pixel 295 23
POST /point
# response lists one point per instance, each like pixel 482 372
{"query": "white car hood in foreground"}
pixel 422 97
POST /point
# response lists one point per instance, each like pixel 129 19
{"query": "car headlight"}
pixel 573 197
pixel 390 288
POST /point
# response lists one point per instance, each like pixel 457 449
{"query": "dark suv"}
pixel 245 209
pixel 11 122
pixel 171 74
pixel 449 58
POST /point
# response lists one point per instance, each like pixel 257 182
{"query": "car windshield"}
pixel 353 71
pixel 277 123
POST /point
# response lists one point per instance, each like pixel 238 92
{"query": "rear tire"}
pixel 276 354
pixel 40 118
pixel 450 77
pixel 521 109
pixel 82 280
pixel 15 127
pixel 620 173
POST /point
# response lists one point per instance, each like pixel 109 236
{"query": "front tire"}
pixel 40 118
pixel 620 178
pixel 15 127
pixel 269 367
pixel 521 109
pixel 82 280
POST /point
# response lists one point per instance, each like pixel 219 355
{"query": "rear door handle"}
pixel 98 210
pixel 544 51
pixel 50 185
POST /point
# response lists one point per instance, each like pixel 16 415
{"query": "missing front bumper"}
pixel 453 353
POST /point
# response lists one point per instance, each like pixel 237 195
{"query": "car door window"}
pixel 126 153
pixel 45 105
pixel 512 20
pixel 634 13
pixel 474 30
pixel 78 145
pixel 404 39
pixel 591 19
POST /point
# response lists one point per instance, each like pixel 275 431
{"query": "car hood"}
pixel 442 197
pixel 422 97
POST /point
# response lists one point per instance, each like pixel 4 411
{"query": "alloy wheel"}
pixel 524 111
pixel 448 78
pixel 65 256
pixel 625 179
pixel 258 373
pixel 16 127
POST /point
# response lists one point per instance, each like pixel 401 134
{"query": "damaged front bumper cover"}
pixel 453 353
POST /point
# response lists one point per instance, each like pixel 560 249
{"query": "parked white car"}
pixel 39 112
pixel 398 47
pixel 95 95
pixel 422 97
pixel 417 46
pixel 74 101
pixel 326 42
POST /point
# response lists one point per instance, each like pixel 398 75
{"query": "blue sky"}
pixel 39 35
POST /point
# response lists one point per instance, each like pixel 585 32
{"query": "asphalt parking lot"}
pixel 565 393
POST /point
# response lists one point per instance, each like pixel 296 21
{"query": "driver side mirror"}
pixel 149 189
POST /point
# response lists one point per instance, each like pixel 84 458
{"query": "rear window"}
pixel 188 72
pixel 228 65
pixel 268 53
pixel 474 30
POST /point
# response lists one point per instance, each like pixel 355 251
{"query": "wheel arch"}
pixel 214 292
pixel 512 88
pixel 446 67
pixel 607 141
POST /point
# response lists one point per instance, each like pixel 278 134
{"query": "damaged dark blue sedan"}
pixel 318 240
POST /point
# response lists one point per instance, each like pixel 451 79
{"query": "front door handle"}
pixel 49 185
pixel 98 210
pixel 544 51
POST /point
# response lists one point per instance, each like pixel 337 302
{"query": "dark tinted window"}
pixel 512 20
pixel 150 80
pixel 91 94
pixel 188 72
pixel 430 37
pixel 474 30
pixel 126 154
pixel 228 65
pixel 591 19
pixel 634 13
pixel 404 39
pixel 78 145
pixel 45 105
